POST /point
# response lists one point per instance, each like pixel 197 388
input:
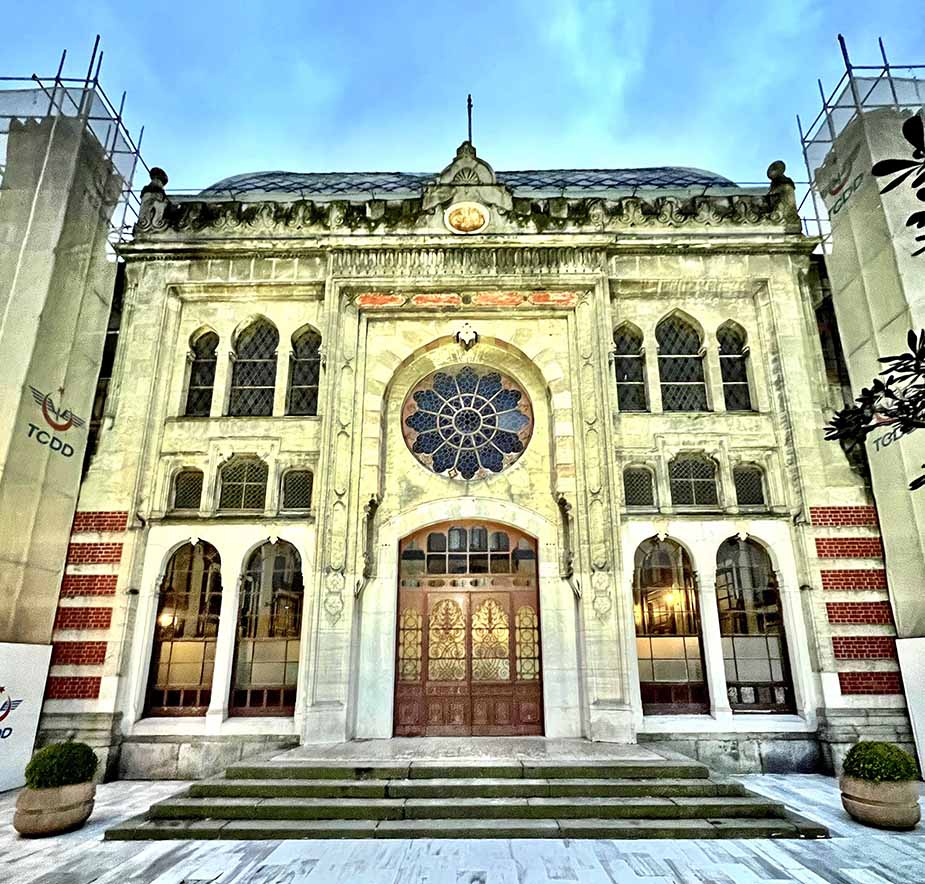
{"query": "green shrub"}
pixel 880 763
pixel 61 764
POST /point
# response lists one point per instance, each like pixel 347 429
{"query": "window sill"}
pixel 741 722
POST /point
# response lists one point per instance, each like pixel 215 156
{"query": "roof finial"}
pixel 469 112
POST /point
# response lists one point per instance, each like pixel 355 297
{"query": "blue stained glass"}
pixel 427 443
pixel 421 421
pixel 507 442
pixel 468 464
pixel 467 380
pixel 428 400
pixel 444 459
pixel 506 400
pixel 444 385
pixel 491 459
pixel 512 421
pixel 489 384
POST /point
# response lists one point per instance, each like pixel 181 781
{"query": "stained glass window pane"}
pixel 467 422
pixel 734 368
pixel 304 373
pixel 253 375
pixel 202 376
pixel 629 367
pixel 680 366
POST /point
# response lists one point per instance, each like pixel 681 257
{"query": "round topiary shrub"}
pixel 880 763
pixel 61 764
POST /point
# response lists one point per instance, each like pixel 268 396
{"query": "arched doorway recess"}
pixel 468 636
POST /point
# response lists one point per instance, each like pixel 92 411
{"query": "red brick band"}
pixel 99 521
pixel 72 687
pixel 94 553
pixel 88 584
pixel 863 647
pixel 849 548
pixel 83 618
pixel 870 683
pixel 859 612
pixel 831 516
pixel 854 578
pixel 78 653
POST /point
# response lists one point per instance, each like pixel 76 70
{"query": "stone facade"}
pixel 472 270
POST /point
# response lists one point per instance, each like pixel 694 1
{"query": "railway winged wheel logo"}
pixel 59 419
pixel 7 704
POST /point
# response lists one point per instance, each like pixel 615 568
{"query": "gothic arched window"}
pixel 266 663
pixel 693 481
pixel 187 490
pixel 253 373
pixel 201 375
pixel 733 363
pixel 668 639
pixel 244 484
pixel 680 366
pixel 185 633
pixel 751 621
pixel 629 365
pixel 304 373
pixel 638 488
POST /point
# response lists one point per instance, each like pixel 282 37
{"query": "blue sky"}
pixel 228 87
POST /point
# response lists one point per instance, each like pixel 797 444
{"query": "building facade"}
pixel 470 454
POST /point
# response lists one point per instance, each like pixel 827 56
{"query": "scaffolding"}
pixel 83 99
pixel 861 89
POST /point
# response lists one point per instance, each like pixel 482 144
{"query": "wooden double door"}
pixel 468 657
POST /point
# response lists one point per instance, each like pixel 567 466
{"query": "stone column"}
pixel 223 359
pixel 714 375
pixel 232 564
pixel 715 668
pixel 282 380
pixel 653 383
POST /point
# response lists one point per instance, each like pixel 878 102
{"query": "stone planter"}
pixel 885 805
pixel 52 811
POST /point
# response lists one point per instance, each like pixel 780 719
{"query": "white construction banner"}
pixel 23 670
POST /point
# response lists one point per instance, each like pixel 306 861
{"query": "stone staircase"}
pixel 663 798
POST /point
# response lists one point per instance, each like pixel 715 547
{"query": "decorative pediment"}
pixel 467 179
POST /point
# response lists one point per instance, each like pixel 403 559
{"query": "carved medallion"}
pixel 466 217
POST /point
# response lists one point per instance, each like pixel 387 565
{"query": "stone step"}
pixel 465 788
pixel 463 808
pixel 316 770
pixel 719 827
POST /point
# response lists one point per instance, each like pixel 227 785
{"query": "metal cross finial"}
pixel 469 111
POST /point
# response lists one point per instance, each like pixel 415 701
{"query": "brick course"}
pixel 78 653
pixel 859 612
pixel 854 578
pixel 870 683
pixel 93 553
pixel 88 584
pixel 72 687
pixel 838 516
pixel 863 647
pixel 99 521
pixel 83 618
pixel 849 548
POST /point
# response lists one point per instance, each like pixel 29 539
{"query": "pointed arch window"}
pixel 201 375
pixel 629 365
pixel 185 633
pixel 638 488
pixel 187 490
pixel 244 484
pixel 253 374
pixel 266 665
pixel 751 623
pixel 680 366
pixel 693 481
pixel 733 363
pixel 304 373
pixel 668 635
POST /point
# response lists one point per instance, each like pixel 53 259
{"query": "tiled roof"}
pixel 550 182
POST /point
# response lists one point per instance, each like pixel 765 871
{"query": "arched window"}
pixel 187 490
pixel 266 664
pixel 693 481
pixel 752 625
pixel 668 642
pixel 253 374
pixel 733 363
pixel 638 488
pixel 297 490
pixel 629 364
pixel 185 632
pixel 680 366
pixel 201 376
pixel 244 484
pixel 304 373
pixel 749 485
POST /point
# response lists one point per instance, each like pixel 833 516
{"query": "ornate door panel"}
pixel 468 645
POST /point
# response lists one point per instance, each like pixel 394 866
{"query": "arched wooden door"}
pixel 468 638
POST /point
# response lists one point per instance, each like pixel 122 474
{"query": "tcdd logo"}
pixel 7 705
pixel 59 419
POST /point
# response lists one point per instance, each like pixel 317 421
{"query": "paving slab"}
pixel 467 828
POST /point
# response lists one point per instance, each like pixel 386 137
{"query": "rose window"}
pixel 467 422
